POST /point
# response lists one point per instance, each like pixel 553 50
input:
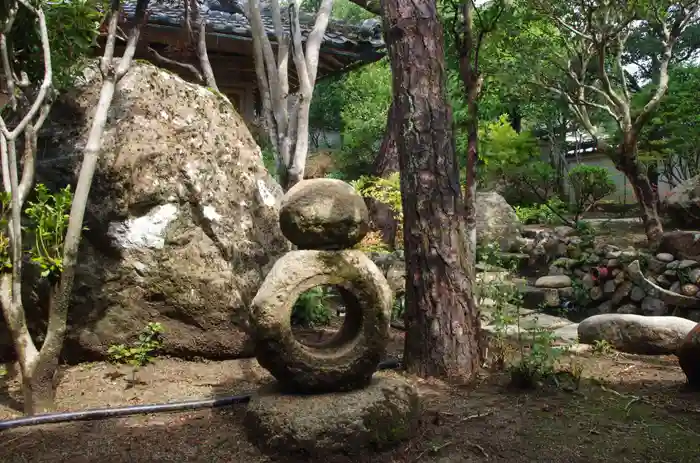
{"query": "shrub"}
pixel 387 191
pixel 550 213
pixel 590 184
pixel 311 309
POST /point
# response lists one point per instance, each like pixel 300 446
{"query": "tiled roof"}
pixel 222 18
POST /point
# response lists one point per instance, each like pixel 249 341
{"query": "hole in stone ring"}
pixel 326 317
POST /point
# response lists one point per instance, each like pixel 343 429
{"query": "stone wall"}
pixel 594 279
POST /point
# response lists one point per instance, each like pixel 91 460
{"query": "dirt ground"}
pixel 628 409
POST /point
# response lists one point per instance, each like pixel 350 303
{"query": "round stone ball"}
pixel 324 214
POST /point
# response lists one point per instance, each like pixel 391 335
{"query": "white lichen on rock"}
pixel 145 231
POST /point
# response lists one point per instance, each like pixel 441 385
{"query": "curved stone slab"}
pixel 669 297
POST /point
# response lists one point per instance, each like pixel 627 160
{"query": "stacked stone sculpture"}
pixel 327 399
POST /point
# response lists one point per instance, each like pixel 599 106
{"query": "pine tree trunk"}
pixel 442 338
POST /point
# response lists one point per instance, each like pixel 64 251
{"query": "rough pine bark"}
pixel 442 338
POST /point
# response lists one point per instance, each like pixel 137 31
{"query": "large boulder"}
pixel 182 221
pixel 689 357
pixel 636 334
pixel 684 244
pixel 496 221
pixel 683 203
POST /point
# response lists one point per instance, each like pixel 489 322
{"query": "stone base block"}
pixel 344 424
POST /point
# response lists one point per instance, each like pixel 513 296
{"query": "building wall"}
pixel 624 194
pixel 243 96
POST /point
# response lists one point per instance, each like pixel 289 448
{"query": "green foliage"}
pixel 505 299
pixel 48 214
pixel 549 213
pixel 672 136
pixel 311 308
pixel 343 10
pixel 385 190
pixel 367 95
pixel 538 356
pixel 513 160
pixel 538 362
pixel 590 184
pixel 327 104
pixel 142 351
pixel 73 28
pixel 602 347
pixel 501 147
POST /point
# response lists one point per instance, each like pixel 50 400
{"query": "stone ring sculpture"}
pixel 349 359
pixel 326 402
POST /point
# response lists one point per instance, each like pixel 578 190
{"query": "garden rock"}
pixel 496 221
pixel 636 334
pixel 653 306
pixel 564 231
pixel 694 276
pixel 689 290
pixel 657 265
pixel 665 257
pixel 182 220
pixel 628 308
pixel 605 307
pixel 324 213
pixel 637 294
pixel 596 293
pixel 682 203
pixel 334 426
pixel 682 244
pixel 622 292
pixel 686 264
pixel 609 287
pixel 553 281
pixel 349 359
pixel 689 357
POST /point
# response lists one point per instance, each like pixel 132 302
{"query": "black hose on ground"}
pixel 101 413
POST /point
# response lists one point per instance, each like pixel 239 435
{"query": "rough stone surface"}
pixel 336 425
pixel 182 218
pixel 628 308
pixel 682 244
pixel 553 281
pixel 636 334
pixel 324 213
pixel 622 292
pixel 349 359
pixel 653 306
pixel 682 204
pixel 637 294
pixel 496 221
pixel 689 290
pixel 689 357
pixel 605 307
